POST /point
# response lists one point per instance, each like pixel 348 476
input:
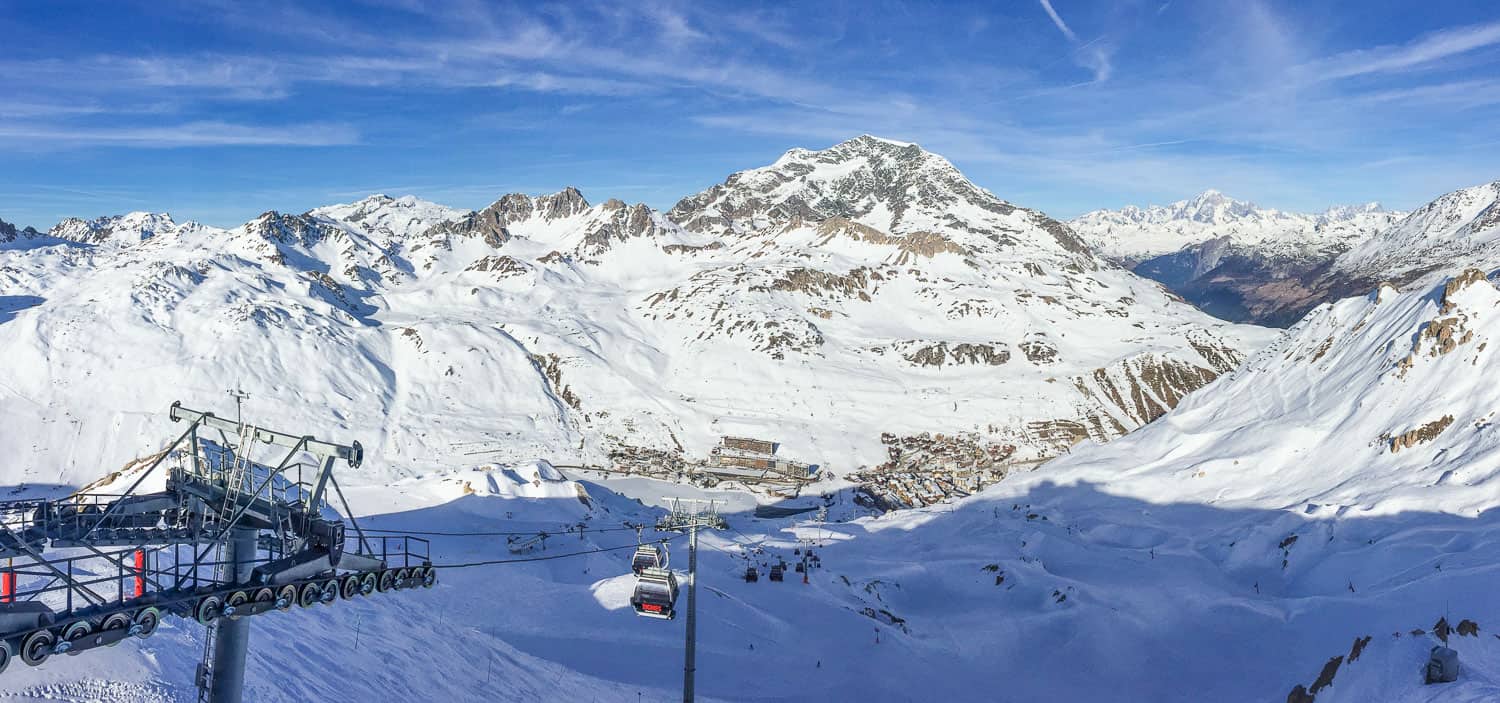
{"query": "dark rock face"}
pixel 10 233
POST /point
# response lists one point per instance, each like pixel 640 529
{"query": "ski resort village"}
pixel 1064 350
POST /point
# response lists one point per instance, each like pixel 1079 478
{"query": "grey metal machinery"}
pixel 688 515
pixel 242 525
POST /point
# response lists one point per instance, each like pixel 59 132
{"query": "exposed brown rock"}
pixel 923 244
pixel 1458 283
pixel 993 354
pixel 1425 433
pixel 502 266
pixel 550 366
pixel 815 282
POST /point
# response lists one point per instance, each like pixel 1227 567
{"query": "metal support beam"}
pixel 689 666
pixel 228 680
pixel 354 454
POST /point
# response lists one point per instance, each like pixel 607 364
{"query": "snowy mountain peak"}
pixel 894 187
pixel 565 203
pixel 11 233
pixel 130 228
pixel 1340 213
pixel 1461 228
pixel 390 218
pixel 1133 234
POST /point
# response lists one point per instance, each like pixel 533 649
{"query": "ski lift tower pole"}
pixel 701 514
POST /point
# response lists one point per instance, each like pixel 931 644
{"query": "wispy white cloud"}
pixel 183 135
pixel 1421 53
pixel 1095 55
pixel 1058 20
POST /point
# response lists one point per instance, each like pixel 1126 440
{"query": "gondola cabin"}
pixel 655 594
pixel 751 575
pixel 777 572
pixel 647 556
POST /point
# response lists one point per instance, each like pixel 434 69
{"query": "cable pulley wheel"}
pixel 367 584
pixel 74 632
pixel 330 591
pixel 37 647
pixel 310 594
pixel 209 609
pixel 146 621
pixel 286 597
pixel 237 600
pixel 5 655
pixel 350 587
pixel 117 621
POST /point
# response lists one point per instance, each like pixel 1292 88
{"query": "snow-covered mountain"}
pixel 10 233
pixel 836 300
pixel 1298 529
pixel 124 230
pixel 1132 234
pixel 1301 530
pixel 1230 257
pixel 1459 229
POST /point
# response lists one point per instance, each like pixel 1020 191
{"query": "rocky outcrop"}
pixel 920 244
pixel 621 223
pixel 10 233
pixel 959 354
pixel 501 266
pixel 1425 433
pixel 1139 390
pixel 853 284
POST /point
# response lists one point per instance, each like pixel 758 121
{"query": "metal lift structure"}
pixel 688 515
pixel 238 525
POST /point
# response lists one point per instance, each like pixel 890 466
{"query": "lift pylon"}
pixel 689 514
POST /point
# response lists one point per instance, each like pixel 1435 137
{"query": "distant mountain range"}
pixel 841 302
pixel 1230 257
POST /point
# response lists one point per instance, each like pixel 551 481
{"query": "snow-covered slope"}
pixel 832 301
pixel 1341 484
pixel 1298 527
pixel 1369 402
pixel 1456 230
pixel 1461 228
pixel 1230 257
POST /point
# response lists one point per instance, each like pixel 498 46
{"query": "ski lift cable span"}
pixel 496 533
pixel 548 557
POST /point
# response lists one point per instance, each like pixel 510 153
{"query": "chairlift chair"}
pixel 655 594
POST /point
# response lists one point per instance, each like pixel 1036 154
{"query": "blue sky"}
pixel 217 111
